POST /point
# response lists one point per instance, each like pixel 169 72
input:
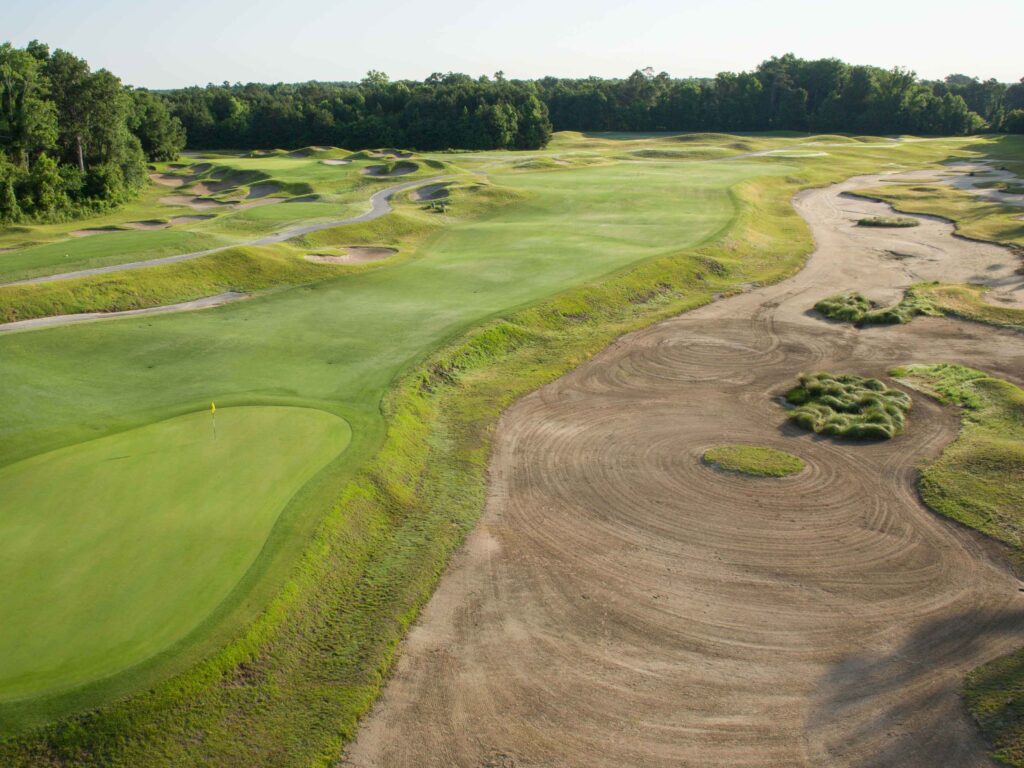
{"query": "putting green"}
pixel 110 572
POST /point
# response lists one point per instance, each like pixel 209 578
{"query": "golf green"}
pixel 121 546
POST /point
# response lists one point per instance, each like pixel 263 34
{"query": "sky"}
pixel 194 42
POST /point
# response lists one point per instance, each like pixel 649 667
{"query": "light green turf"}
pixel 754 460
pixel 102 250
pixel 120 546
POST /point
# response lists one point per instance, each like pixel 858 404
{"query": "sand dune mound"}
pixel 95 231
pixel 191 219
pixel 199 203
pixel 355 254
pixel 262 190
pixel 430 192
pixel 388 171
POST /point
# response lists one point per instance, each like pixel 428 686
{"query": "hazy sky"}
pixel 184 42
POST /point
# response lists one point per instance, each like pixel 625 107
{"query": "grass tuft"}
pixel 848 406
pixel 888 221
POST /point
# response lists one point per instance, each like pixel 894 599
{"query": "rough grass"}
pixel 888 221
pixel 754 460
pixel 848 307
pixel 979 481
pixel 848 406
pixel 968 302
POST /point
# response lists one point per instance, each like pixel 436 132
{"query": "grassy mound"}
pixel 848 406
pixel 754 460
pixel 855 308
pixel 849 307
pixel 967 302
pixel 888 221
pixel 979 481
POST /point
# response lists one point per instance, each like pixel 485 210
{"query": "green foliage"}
pixel 754 460
pixel 57 116
pixel 888 221
pixel 979 481
pixel 849 307
pixel 855 308
pixel 848 406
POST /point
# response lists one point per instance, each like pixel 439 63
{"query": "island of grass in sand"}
pixel 754 460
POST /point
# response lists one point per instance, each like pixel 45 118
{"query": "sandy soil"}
pixel 429 192
pixel 95 231
pixel 335 162
pixel 262 190
pixel 185 306
pixel 400 169
pixel 354 254
pixel 147 224
pixel 168 180
pixel 622 604
pixel 984 173
pixel 198 203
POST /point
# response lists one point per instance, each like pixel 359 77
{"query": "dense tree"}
pixel 72 140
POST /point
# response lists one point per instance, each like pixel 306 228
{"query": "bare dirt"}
pixel 355 254
pixel 622 604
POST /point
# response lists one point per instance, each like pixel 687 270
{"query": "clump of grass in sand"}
pixel 888 221
pixel 754 460
pixel 855 308
pixel 850 307
pixel 848 406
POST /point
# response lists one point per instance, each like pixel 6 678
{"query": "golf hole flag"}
pixel 213 416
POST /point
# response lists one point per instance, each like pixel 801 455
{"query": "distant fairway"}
pixel 121 546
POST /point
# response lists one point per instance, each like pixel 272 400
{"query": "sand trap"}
pixel 96 231
pixel 199 203
pixel 148 224
pixel 335 162
pixel 190 219
pixel 355 254
pixel 168 180
pixel 390 153
pixel 262 190
pixel 429 192
pixel 304 199
pixel 970 175
pixel 400 169
pixel 259 203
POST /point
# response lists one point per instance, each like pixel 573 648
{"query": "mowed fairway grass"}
pixel 114 549
pixel 103 582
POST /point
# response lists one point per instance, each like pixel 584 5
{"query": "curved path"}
pixel 80 317
pixel 622 604
pixel 380 204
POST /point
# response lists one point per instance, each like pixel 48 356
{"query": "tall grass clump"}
pixel 848 406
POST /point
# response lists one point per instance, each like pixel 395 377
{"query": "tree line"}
pixel 73 141
pixel 791 94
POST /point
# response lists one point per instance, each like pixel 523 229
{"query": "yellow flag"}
pixel 213 408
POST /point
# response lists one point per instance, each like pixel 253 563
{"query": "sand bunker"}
pixel 335 161
pixel 619 605
pixel 191 219
pixel 96 231
pixel 262 190
pixel 199 203
pixel 168 180
pixel 148 224
pixel 355 254
pixel 971 176
pixel 399 169
pixel 430 192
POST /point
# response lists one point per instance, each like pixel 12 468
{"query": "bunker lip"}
pixel 714 615
pixel 400 169
pixel 430 192
pixel 354 254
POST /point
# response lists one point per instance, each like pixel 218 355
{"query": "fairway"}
pixel 123 545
